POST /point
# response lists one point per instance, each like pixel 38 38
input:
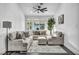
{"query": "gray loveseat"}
pixel 59 40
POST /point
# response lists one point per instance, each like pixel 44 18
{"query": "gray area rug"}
pixel 35 48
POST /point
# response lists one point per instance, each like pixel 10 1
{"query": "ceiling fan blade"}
pixel 34 8
pixel 42 11
pixel 44 8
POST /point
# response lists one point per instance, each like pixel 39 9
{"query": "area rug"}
pixel 35 48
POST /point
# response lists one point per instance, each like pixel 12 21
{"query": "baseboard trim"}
pixel 72 48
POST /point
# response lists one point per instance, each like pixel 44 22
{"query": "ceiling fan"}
pixel 39 8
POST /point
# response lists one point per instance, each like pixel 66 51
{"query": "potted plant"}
pixel 51 23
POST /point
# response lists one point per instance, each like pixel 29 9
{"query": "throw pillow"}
pixel 59 34
pixel 18 35
pixel 43 33
pixel 10 36
pixel 49 37
pixel 23 35
pixel 26 34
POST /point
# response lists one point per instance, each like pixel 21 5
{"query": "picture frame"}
pixel 0 24
pixel 61 19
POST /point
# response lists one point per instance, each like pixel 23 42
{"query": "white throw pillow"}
pixel 41 38
pixel 49 37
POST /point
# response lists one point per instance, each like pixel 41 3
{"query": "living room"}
pixel 21 13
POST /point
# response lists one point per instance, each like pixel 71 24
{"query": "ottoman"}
pixel 42 40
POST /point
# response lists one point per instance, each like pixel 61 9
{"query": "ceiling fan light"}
pixel 39 6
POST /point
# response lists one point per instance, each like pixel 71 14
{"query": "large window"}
pixel 39 26
pixel 33 24
pixel 28 25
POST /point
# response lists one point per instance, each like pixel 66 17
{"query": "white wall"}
pixel 70 27
pixel 10 12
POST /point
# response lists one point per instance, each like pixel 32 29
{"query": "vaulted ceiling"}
pixel 27 8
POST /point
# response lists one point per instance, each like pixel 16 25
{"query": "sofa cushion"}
pixel 18 35
pixel 36 33
pixel 58 34
pixel 12 36
pixel 23 35
pixel 27 40
pixel 26 34
pixel 42 32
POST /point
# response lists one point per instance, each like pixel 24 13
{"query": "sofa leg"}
pixel 23 52
pixel 61 45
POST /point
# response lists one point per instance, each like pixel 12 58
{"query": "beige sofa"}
pixel 19 41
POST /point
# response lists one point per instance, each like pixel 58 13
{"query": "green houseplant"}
pixel 51 23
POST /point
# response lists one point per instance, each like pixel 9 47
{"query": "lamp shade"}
pixel 7 24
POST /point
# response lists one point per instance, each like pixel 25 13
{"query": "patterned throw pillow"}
pixel 26 34
pixel 43 33
pixel 18 35
pixel 37 32
pixel 23 35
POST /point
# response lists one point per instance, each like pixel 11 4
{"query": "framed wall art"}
pixel 61 19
